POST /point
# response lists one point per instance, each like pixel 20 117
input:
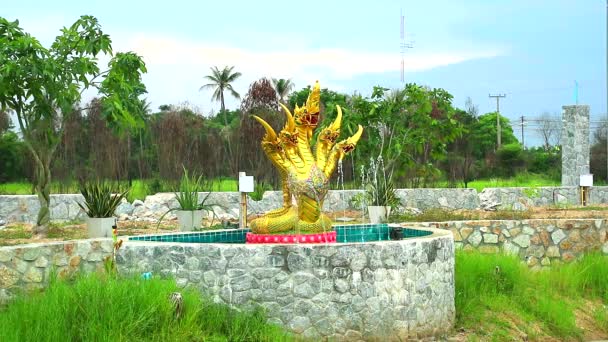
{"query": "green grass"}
pixel 442 215
pixel 139 188
pixel 94 308
pixel 496 292
pixel 521 180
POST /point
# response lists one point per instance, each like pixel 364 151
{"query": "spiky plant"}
pixel 100 198
pixel 187 195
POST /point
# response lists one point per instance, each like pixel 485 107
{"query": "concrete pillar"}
pixel 575 143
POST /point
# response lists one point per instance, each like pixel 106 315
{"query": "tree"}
pixel 485 134
pixel 549 128
pixel 221 81
pixel 598 153
pixel 261 95
pixel 471 108
pixel 5 122
pixel 410 128
pixel 510 159
pixel 460 160
pixel 283 87
pixel 43 86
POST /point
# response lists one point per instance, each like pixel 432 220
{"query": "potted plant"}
pixel 100 202
pixel 190 212
pixel 382 198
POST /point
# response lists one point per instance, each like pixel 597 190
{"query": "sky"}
pixel 532 51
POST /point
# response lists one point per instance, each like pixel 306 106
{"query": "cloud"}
pixel 308 63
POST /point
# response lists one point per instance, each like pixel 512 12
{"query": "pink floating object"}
pixel 291 238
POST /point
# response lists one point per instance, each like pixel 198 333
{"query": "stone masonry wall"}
pixel 379 290
pixel 538 242
pixel 24 208
pixel 575 144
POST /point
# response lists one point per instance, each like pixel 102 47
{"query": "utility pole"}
pixel 522 132
pixel 498 133
pixel 607 90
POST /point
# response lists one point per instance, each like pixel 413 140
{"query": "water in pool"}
pixel 345 233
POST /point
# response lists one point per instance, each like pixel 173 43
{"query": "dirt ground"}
pixel 21 233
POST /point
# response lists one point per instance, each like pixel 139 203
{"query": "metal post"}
pixel 606 90
pixel 523 143
pixel 498 130
pixel 243 211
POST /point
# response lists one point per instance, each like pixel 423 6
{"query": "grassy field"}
pixel 499 299
pixel 139 188
pixel 98 308
pixel 142 188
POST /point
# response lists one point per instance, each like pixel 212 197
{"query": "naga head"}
pixel 288 136
pixel 331 133
pixel 270 141
pixel 346 146
pixel 308 115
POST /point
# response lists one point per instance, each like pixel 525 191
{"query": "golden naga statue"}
pixel 303 175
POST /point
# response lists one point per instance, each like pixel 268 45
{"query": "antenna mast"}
pixel 403 45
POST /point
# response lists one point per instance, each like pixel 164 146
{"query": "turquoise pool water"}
pixel 345 233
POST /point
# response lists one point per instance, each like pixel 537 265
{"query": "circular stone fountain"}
pixel 380 290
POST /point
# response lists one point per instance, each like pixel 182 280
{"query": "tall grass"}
pixel 488 286
pixel 94 308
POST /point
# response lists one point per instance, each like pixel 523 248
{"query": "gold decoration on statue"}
pixel 304 176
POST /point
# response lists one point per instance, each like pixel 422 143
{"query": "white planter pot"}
pixel 378 214
pixel 100 227
pixel 189 219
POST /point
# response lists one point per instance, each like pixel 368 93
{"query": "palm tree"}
pixel 282 87
pixel 220 81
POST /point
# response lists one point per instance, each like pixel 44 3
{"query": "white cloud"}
pixel 300 63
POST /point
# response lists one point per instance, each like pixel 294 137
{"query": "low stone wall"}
pixel 27 267
pixel 24 208
pixel 523 198
pixel 538 242
pixel 399 289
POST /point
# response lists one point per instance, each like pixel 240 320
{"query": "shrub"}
pixel 258 191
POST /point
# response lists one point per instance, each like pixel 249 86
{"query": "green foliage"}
pixel 220 81
pixel 282 87
pixel 496 284
pixel 541 161
pixel 12 157
pixel 100 199
pixel 382 194
pixel 258 191
pixel 187 193
pixel 43 86
pixel 96 308
pixel 484 133
pixel 410 128
pixel 510 157
pixel 35 81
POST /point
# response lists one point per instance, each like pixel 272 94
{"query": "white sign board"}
pixel 246 184
pixel 586 180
